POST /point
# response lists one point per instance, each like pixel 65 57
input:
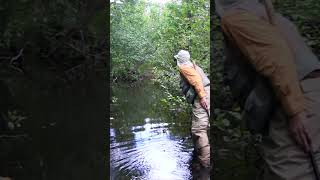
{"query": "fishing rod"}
pixel 314 165
pixel 208 113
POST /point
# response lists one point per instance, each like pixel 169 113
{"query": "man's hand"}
pixel 204 103
pixel 299 132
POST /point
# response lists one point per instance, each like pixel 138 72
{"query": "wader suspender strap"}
pixel 194 66
pixel 270 11
pixel 314 165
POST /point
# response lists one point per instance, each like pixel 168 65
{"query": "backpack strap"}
pixel 194 64
pixel 270 11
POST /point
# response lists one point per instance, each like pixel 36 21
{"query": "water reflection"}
pixel 153 154
pixel 147 142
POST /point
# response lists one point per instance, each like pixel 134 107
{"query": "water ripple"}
pixel 152 154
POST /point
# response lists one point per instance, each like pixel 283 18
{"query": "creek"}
pixel 147 141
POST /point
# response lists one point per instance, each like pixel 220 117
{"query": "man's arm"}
pixel 271 56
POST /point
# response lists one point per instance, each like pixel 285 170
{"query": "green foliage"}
pixel 306 15
pixel 130 41
pixel 147 33
pixel 181 26
pixel 184 26
pixel 56 36
pixel 168 82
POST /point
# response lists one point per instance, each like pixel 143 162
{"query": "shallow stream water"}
pixel 147 141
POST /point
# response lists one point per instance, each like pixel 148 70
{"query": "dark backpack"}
pixel 187 89
pixel 251 90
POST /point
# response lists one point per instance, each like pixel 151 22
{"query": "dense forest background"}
pixel 146 35
pixel 234 153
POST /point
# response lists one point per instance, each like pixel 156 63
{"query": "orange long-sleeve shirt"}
pixel 268 52
pixel 194 79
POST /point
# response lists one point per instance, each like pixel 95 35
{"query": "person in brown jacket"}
pixel 200 107
pixel 273 46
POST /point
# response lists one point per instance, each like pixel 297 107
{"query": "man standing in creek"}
pixel 195 85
